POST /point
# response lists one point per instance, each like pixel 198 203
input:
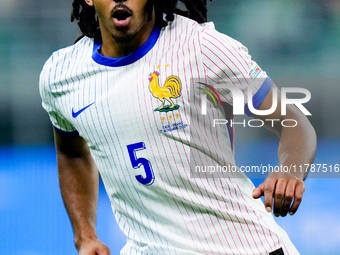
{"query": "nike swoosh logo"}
pixel 75 114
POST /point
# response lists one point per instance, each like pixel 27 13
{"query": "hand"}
pixel 283 187
pixel 93 247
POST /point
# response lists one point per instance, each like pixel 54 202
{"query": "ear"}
pixel 89 2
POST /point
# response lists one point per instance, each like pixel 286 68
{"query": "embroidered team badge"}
pixel 172 89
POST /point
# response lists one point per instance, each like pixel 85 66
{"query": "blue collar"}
pixel 126 60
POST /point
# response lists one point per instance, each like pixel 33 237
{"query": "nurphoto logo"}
pixel 240 108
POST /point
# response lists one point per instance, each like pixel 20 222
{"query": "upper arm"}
pixel 72 147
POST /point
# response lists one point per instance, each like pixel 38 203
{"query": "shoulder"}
pixel 205 33
pixel 70 54
pixel 183 27
pixel 212 37
pixel 63 59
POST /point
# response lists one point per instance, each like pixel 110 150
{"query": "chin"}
pixel 124 38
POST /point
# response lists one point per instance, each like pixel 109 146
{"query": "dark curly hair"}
pixel 88 24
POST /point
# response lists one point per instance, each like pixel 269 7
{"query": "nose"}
pixel 118 1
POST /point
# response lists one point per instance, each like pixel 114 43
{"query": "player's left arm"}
pixel 297 147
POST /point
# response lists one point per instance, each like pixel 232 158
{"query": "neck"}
pixel 114 48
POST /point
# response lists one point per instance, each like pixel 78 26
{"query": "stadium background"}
pixel 296 42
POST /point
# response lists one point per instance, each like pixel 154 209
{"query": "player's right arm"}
pixel 78 180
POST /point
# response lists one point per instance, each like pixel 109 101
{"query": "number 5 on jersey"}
pixel 138 162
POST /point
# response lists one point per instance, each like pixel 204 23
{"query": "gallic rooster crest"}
pixel 171 90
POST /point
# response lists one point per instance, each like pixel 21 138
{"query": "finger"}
pixel 258 192
pixel 279 192
pixel 288 197
pixel 268 193
pixel 299 190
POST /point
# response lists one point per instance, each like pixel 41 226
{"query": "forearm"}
pixel 78 180
pixel 297 146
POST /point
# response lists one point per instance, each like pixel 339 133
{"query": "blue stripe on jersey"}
pixel 129 59
pixel 260 95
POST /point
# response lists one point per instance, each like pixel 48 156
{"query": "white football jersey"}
pixel 141 117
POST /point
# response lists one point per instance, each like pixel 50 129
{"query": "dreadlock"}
pixel 88 23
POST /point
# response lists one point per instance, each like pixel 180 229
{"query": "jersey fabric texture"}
pixel 143 147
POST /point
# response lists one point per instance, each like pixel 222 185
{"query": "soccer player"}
pixel 122 100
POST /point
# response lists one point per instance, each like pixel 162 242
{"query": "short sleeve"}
pixel 226 61
pixel 49 95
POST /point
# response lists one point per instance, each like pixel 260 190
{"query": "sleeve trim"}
pixel 260 95
pixel 66 134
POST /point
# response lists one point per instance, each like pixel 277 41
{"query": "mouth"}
pixel 121 16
